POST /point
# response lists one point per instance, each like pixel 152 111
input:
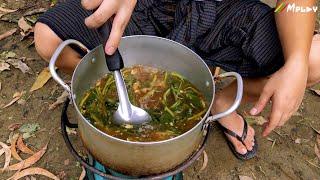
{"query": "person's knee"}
pixel 314 62
pixel 46 41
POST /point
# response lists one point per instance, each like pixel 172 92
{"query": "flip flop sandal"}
pixel 249 154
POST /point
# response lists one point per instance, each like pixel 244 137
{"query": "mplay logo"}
pixel 292 7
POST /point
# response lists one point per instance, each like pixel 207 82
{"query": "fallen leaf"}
pixel 24 25
pixel 297 141
pixel 317 151
pixel 41 80
pixel 59 100
pixel 8 10
pixel 245 177
pixel 13 148
pixel 318 140
pixel 8 33
pixel 16 97
pixel 18 64
pixel 29 161
pixel 83 174
pixel 8 54
pixel 34 171
pixel 4 66
pixel 205 161
pixel 35 11
pixel 32 19
pixel 10 137
pixel 316 91
pixel 22 147
pixel 29 129
pixel 71 131
pixel 255 120
pixel 7 155
pixel 26 34
pixel 14 126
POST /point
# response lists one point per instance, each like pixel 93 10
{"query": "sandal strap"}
pixel 233 134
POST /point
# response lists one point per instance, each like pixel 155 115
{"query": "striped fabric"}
pixel 236 35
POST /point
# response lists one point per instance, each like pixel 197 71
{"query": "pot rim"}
pixel 150 142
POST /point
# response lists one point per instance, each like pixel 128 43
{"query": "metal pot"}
pixel 143 158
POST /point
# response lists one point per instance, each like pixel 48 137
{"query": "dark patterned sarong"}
pixel 236 35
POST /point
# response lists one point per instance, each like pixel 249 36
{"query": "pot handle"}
pixel 237 101
pixel 54 58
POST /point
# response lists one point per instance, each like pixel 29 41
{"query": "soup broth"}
pixel 174 104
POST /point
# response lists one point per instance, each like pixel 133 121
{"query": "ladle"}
pixel 126 112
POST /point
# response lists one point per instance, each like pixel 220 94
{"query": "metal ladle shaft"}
pixel 126 112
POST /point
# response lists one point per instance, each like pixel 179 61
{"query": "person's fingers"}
pixel 90 4
pixel 262 102
pixel 101 15
pixel 275 117
pixel 119 24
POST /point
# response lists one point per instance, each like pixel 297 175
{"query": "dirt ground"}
pixel 288 153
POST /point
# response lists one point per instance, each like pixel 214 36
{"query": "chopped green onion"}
pixel 169 111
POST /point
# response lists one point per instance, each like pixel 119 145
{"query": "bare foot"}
pixel 235 123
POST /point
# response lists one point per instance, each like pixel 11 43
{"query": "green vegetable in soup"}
pixel 174 104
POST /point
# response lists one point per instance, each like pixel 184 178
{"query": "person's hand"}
pixel 122 9
pixel 285 89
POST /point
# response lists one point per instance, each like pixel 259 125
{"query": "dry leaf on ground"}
pixel 318 140
pixel 22 147
pixel 29 129
pixel 205 161
pixel 29 161
pixel 8 54
pixel 34 171
pixel 13 148
pixel 14 126
pixel 71 131
pixel 8 10
pixel 7 155
pixel 4 66
pixel 41 80
pixel 59 100
pixel 316 91
pixel 35 11
pixel 8 33
pixel 83 174
pixel 22 23
pixel 255 120
pixel 245 177
pixel 18 64
pixel 16 97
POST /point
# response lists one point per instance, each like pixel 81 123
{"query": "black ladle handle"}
pixel 115 61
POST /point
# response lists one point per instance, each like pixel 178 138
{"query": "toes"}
pixel 240 148
pixel 249 141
